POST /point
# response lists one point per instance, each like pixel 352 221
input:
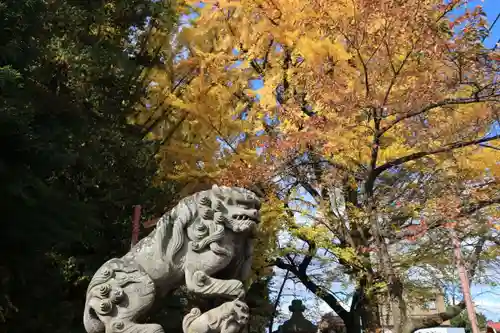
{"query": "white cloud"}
pixel 490 307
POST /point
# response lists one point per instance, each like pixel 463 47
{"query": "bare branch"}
pixel 276 303
pixel 323 293
pixel 395 76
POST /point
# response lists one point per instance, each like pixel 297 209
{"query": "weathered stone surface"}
pixel 297 322
pixel 230 317
pixel 205 242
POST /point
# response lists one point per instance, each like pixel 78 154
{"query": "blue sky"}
pixel 492 8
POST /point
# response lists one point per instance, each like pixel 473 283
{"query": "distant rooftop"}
pixel 492 327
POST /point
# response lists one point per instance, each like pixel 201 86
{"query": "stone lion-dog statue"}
pixel 204 242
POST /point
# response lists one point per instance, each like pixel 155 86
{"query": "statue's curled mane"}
pixel 171 227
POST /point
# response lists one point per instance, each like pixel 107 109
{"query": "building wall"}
pixel 434 306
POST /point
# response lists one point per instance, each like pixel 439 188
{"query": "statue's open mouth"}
pixel 242 217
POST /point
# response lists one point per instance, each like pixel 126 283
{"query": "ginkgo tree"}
pixel 383 111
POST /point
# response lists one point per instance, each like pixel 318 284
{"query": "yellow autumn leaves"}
pixel 358 66
pixel 317 51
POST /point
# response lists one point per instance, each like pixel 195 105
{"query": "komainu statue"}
pixel 230 317
pixel 205 242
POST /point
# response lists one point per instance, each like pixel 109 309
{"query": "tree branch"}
pixel 452 146
pixel 464 212
pixel 321 292
pixel 434 319
pixel 474 258
pixel 374 153
pixel 395 76
pixel 276 303
pixel 446 102
pixel 479 205
pixel 308 258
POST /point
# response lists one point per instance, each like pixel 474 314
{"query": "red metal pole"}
pixel 464 279
pixel 135 225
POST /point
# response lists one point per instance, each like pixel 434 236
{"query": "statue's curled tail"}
pixel 117 295
pixel 194 314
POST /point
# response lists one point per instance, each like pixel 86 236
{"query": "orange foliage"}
pixel 372 101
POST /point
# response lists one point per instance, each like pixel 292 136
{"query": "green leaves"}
pixel 71 168
pixel 8 76
pixel 463 321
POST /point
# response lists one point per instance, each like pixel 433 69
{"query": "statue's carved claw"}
pixel 199 282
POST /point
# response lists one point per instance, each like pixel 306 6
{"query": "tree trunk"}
pixel 394 283
pixel 353 325
pixel 366 307
pixel 398 304
pixel 370 316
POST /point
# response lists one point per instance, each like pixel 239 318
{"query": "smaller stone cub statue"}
pixel 229 317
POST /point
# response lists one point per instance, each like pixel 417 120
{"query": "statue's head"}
pixel 237 208
pixel 241 312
